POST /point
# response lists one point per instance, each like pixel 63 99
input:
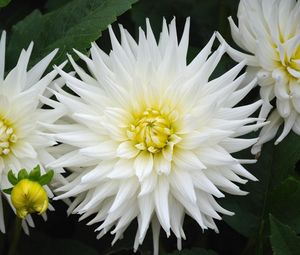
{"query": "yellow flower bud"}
pixel 29 197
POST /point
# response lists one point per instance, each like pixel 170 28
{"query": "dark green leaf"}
pixel 35 173
pixel 284 203
pixel 195 251
pixel 8 191
pixel 22 174
pixel 46 178
pixel 274 165
pixel 284 240
pixel 12 178
pixel 75 25
pixel 3 3
pixel 55 4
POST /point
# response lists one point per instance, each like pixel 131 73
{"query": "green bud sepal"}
pixel 33 175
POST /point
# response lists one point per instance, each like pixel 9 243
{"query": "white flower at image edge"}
pixel 149 137
pixel 270 31
pixel 22 143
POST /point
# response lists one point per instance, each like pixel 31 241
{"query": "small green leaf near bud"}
pixel 27 194
pixel 46 178
pixel 12 178
pixel 22 174
pixel 7 191
pixel 35 173
pixel 3 3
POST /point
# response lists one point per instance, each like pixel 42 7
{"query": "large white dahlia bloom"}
pixel 22 142
pixel 148 137
pixel 270 31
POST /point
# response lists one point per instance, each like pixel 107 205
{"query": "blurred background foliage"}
pixel 267 221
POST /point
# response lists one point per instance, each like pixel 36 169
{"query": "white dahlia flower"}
pixel 22 143
pixel 270 31
pixel 148 137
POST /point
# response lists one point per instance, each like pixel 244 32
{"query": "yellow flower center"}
pixel 7 137
pixel 29 197
pixel 294 61
pixel 151 131
pixel 290 64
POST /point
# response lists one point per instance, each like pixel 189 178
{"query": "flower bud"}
pixel 29 197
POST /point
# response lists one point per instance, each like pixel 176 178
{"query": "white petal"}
pixel 126 190
pixel 268 132
pixel 143 164
pixel 223 183
pixel 283 107
pixel 183 183
pixel 146 205
pixel 288 125
pixel 280 84
pixel 187 160
pixel 96 174
pixel 148 184
pixel 236 55
pixel 24 150
pixel 2 55
pixel 127 150
pixel 2 225
pixel 237 144
pixel 161 194
pixel 201 181
pixel 177 217
pixel 216 156
pixel 155 233
pixel 105 150
pixel 161 164
pixel 122 169
pixel 196 139
pixel 37 71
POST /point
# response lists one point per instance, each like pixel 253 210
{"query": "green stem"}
pixel 15 237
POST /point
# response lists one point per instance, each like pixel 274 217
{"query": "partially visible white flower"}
pixel 149 137
pixel 22 143
pixel 270 31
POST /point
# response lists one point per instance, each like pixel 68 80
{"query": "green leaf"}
pixel 194 251
pixel 3 3
pixel 46 178
pixel 74 25
pixel 274 166
pixel 55 4
pixel 284 240
pixel 35 173
pixel 8 191
pixel 285 201
pixel 22 174
pixel 12 178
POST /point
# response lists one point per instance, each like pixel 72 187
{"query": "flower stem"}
pixel 15 237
